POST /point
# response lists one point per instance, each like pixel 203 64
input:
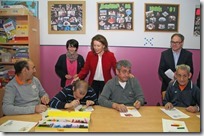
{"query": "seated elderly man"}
pixel 182 92
pixel 122 90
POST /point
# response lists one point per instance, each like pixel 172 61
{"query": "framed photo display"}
pixel 66 17
pixel 115 16
pixel 161 17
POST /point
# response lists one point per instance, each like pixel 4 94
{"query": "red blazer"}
pixel 108 62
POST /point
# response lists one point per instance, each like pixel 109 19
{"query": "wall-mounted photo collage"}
pixel 115 16
pixel 161 17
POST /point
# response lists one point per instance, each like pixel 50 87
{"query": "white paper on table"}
pixel 175 113
pixel 17 126
pixel 169 73
pixel 45 113
pixel 83 108
pixel 167 126
pixel 132 112
pixel 198 116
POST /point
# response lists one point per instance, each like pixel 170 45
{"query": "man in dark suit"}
pixel 172 57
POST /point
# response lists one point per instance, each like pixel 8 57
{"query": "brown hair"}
pixel 179 35
pixel 101 39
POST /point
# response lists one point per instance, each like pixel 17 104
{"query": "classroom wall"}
pixel 136 38
pixel 145 62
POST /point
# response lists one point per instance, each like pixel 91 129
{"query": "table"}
pixel 109 120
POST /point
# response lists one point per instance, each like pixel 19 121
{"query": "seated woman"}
pixel 73 95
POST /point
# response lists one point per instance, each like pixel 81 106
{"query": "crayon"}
pixel 176 125
pixel 180 127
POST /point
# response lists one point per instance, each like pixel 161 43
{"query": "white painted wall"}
pixel 125 38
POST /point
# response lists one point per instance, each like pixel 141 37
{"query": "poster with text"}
pixel 115 16
pixel 161 17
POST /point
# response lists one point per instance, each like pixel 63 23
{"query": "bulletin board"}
pixel 115 16
pixel 66 17
pixel 161 17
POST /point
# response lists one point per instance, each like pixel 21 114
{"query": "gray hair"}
pixel 124 63
pixel 183 67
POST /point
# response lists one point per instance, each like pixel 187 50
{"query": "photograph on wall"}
pixel 115 16
pixel 197 22
pixel 32 5
pixel 161 17
pixel 66 17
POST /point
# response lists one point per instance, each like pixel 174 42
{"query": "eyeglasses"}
pixel 177 43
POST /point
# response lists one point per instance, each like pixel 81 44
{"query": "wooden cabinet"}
pixel 29 39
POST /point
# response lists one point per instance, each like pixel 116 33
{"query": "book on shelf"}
pixel 10 28
pixel 21 30
pixel 3 71
pixel 3 36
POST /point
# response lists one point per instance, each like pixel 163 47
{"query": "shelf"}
pixel 12 15
pixel 12 42
pixel 6 63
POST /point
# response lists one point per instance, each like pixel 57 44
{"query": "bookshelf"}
pixel 26 39
pixel 26 36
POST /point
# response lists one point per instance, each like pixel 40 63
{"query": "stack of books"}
pixel 20 52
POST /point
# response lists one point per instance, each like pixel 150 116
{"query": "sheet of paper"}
pixel 17 126
pixel 83 108
pixel 169 73
pixel 175 113
pixel 198 116
pixel 174 126
pixel 132 112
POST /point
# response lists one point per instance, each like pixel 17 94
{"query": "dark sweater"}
pixel 66 96
pixel 61 67
pixel 190 96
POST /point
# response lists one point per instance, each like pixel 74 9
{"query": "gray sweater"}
pixel 114 93
pixel 22 99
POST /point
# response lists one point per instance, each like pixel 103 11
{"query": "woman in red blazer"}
pixel 99 63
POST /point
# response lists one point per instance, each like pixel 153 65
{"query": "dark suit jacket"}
pixel 167 62
pixel 61 67
pixel 198 80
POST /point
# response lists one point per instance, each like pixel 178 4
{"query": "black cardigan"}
pixel 61 67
